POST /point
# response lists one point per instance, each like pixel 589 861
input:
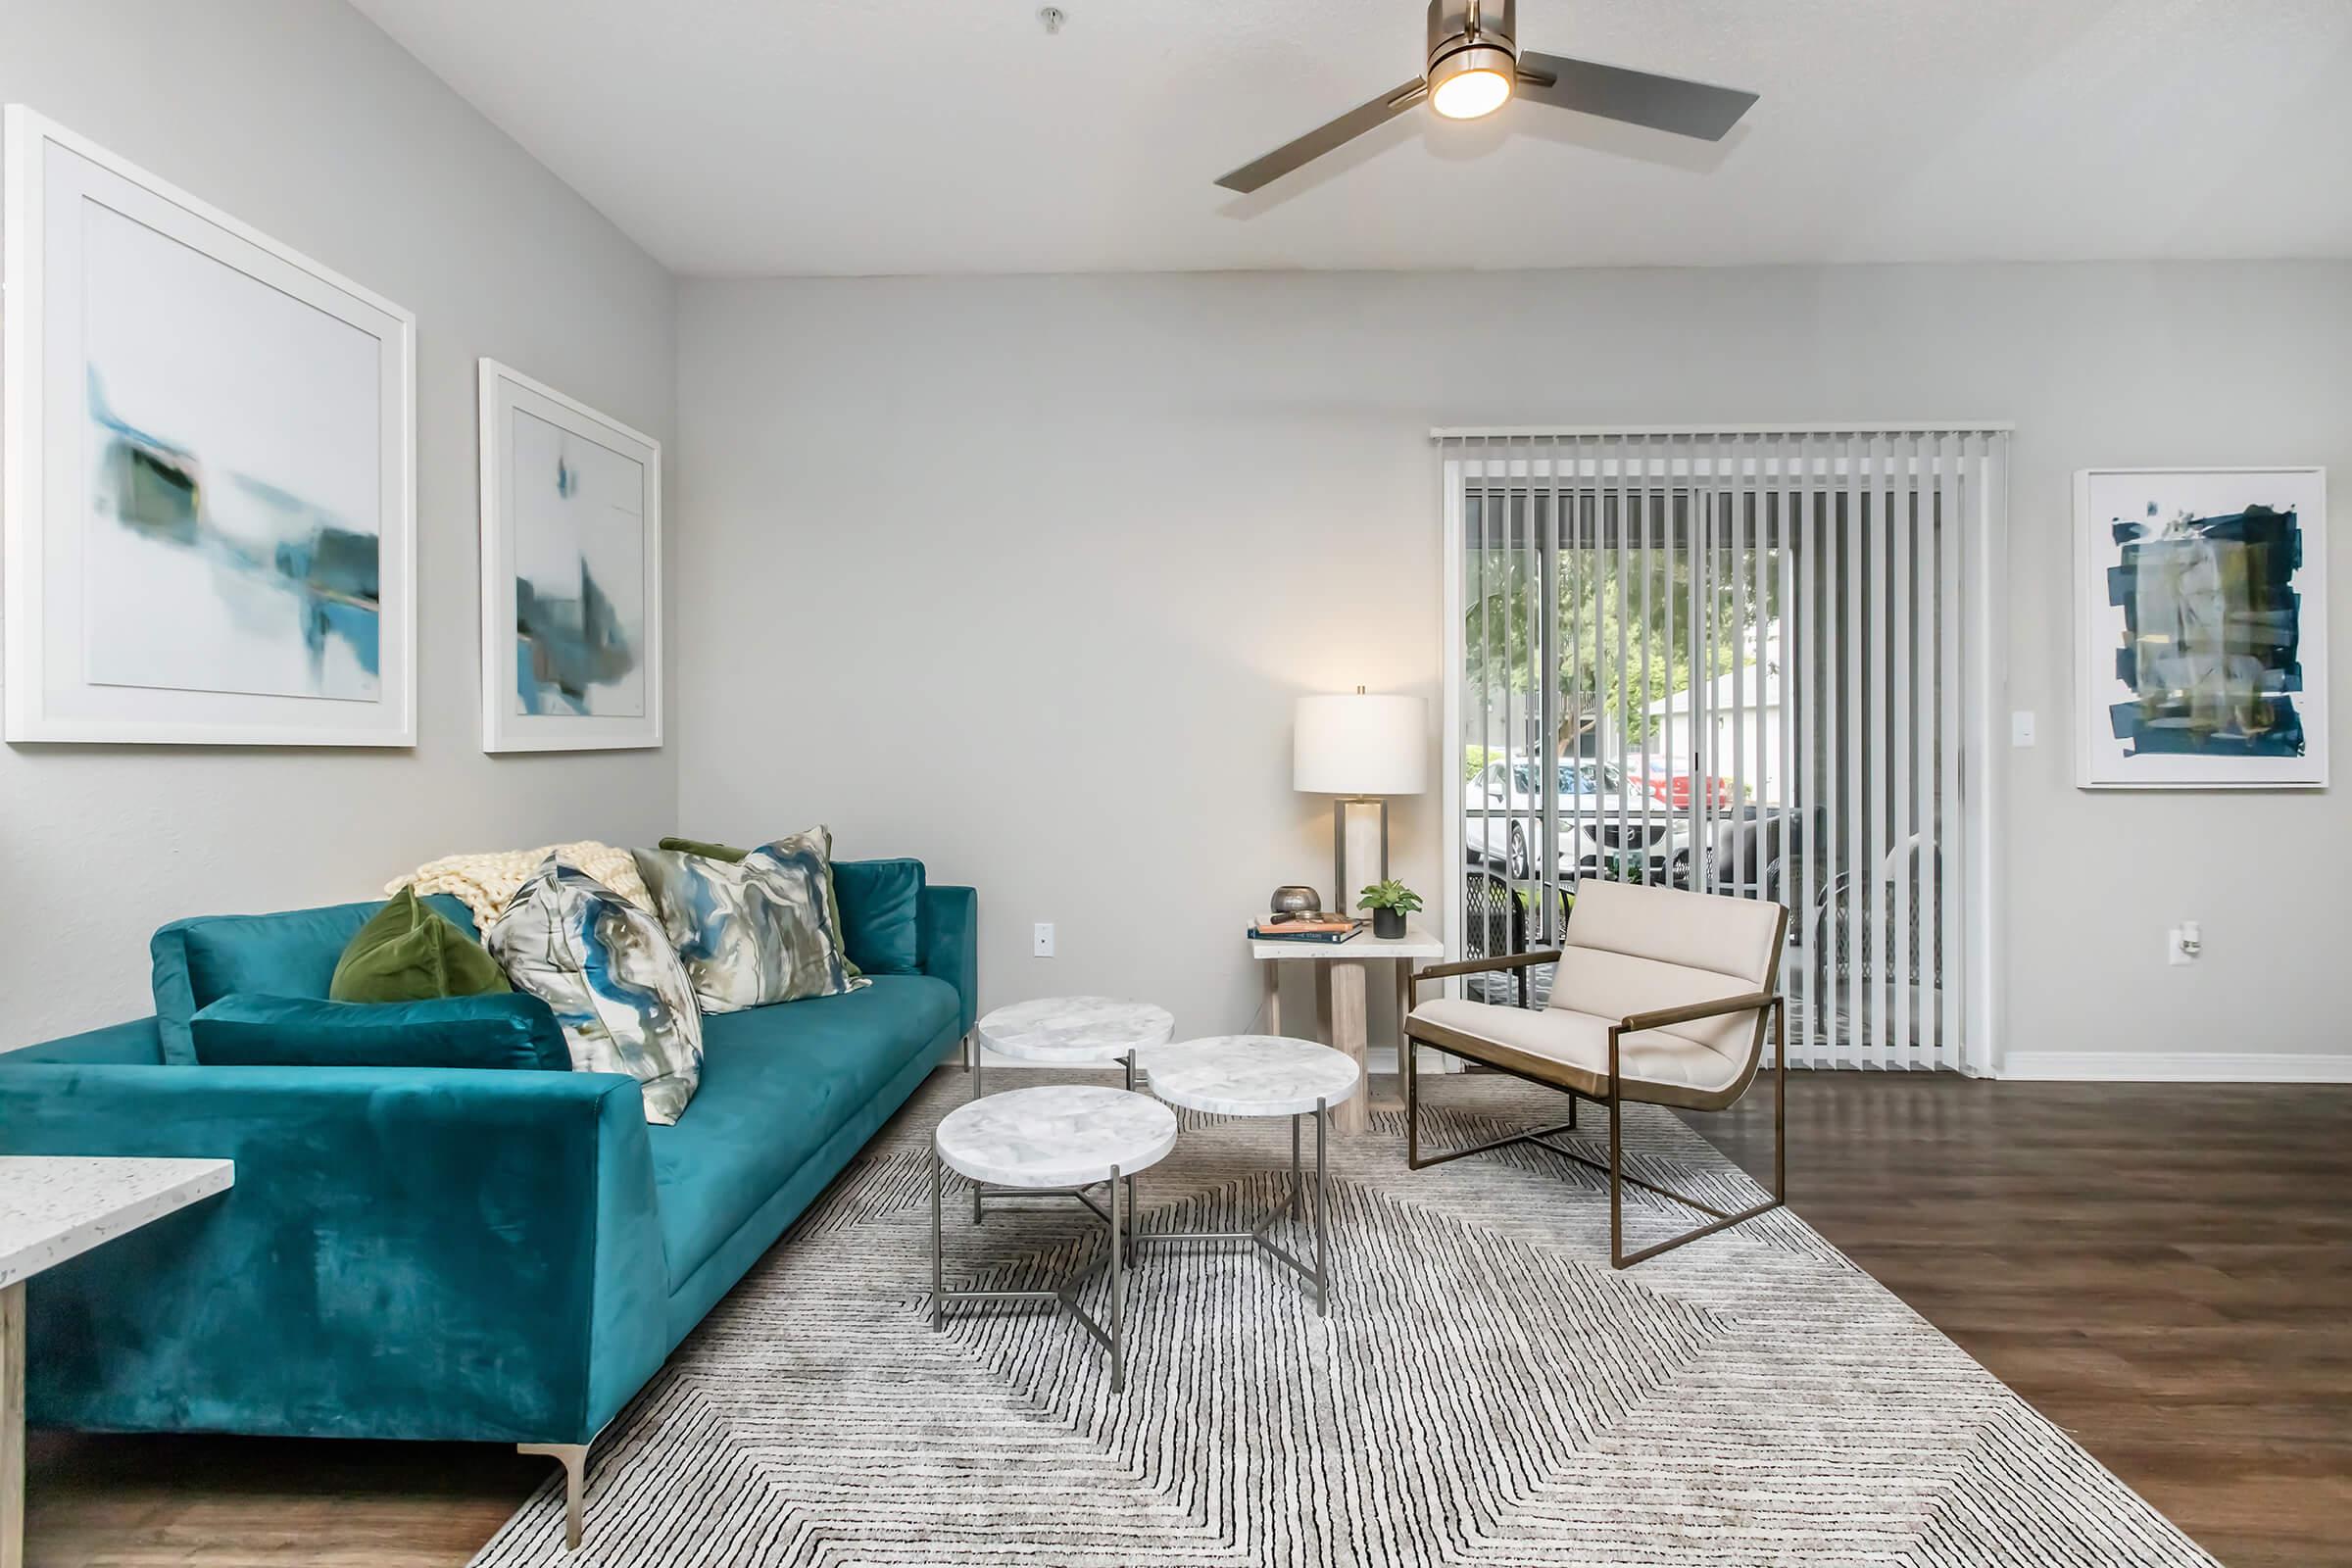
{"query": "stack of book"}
pixel 1322 927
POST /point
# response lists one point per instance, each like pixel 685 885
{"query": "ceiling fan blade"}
pixel 1637 97
pixel 1324 138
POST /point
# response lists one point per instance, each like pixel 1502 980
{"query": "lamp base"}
pixel 1341 902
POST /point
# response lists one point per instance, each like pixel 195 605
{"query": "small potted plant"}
pixel 1389 903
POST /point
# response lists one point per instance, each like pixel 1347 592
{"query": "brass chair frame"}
pixel 1769 1003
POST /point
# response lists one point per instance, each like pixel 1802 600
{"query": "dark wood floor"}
pixel 2164 1270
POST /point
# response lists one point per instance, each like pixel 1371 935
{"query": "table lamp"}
pixel 1363 750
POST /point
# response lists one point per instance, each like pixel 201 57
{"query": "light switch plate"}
pixel 1041 942
pixel 2021 727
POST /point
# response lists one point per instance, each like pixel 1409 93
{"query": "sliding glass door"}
pixel 1733 662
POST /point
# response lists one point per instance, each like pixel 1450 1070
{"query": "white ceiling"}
pixel 745 137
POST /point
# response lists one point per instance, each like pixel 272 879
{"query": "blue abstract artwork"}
pixel 233 482
pixel 579 575
pixel 2212 633
pixel 2203 638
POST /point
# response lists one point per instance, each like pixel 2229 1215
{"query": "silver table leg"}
pixel 1118 1287
pixel 1114 1340
pixel 1294 1206
pixel 938 1267
pixel 1131 1209
pixel 1322 1131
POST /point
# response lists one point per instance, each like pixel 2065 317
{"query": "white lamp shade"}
pixel 1361 745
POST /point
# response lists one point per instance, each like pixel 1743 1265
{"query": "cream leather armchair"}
pixel 1660 996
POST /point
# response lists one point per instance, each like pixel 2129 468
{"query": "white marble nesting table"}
pixel 1342 975
pixel 1068 1032
pixel 1073 1031
pixel 54 1208
pixel 1261 1075
pixel 1052 1138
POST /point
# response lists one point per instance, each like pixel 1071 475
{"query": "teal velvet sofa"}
pixel 450 1253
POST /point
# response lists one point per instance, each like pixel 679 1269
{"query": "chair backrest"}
pixel 1634 949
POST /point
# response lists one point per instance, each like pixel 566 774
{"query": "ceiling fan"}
pixel 1475 66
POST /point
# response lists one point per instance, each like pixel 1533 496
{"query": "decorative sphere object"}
pixel 1293 900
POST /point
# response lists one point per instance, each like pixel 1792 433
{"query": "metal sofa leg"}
pixel 573 1457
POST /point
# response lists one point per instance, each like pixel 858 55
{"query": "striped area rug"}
pixel 1484 1390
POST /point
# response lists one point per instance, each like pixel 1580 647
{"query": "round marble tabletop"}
pixel 1055 1135
pixel 1251 1075
pixel 1074 1030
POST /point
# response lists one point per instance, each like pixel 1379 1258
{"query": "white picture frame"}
pixel 148 333
pixel 537 694
pixel 2106 499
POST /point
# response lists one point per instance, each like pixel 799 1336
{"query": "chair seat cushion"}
pixel 1572 1048
pixel 777 1082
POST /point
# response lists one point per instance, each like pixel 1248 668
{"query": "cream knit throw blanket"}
pixel 484 882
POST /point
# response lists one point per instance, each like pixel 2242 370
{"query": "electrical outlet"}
pixel 2021 727
pixel 2183 943
pixel 1041 942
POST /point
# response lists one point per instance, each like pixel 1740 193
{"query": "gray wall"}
pixel 303 120
pixel 1020 575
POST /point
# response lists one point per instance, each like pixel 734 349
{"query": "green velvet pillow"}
pixel 709 851
pixel 409 954
pixel 512 1031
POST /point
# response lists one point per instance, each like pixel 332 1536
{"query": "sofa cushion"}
pixel 408 952
pixel 777 1082
pixel 881 915
pixel 499 1030
pixel 818 842
pixel 750 932
pixel 708 849
pixel 616 986
pixel 292 954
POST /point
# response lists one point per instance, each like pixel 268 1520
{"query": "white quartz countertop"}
pixel 52 1207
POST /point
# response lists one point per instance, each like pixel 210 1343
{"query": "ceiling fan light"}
pixel 1472 82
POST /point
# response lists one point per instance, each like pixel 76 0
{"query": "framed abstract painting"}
pixel 210 459
pixel 571 574
pixel 2202 628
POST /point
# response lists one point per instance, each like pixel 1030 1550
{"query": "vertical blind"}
pixel 1750 662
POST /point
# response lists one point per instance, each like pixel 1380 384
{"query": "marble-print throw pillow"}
pixel 616 984
pixel 750 932
pixel 813 852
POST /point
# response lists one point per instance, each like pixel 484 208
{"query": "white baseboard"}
pixel 2179 1066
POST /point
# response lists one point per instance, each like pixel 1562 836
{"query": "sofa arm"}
pixel 951 933
pixel 408 1252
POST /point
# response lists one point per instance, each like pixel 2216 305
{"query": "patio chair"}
pixel 1493 925
pixel 1659 997
pixel 1850 961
